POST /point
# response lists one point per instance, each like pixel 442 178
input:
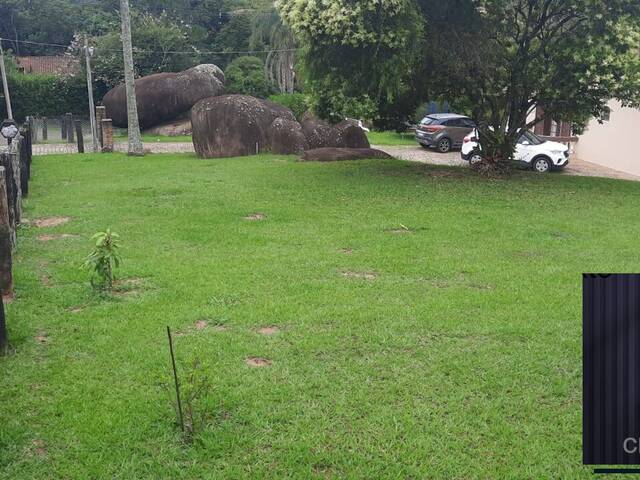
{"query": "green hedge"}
pixel 46 95
pixel 296 102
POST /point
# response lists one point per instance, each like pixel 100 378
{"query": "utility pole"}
pixel 5 85
pixel 92 107
pixel 135 140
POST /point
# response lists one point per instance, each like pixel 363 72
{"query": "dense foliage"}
pixel 156 39
pixel 507 57
pixel 498 58
pixel 245 75
pixel 360 56
pixel 46 95
pixel 298 103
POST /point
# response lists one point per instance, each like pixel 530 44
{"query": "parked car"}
pixel 531 151
pixel 443 131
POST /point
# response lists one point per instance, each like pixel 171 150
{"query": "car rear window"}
pixel 429 121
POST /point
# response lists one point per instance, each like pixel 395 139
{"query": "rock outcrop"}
pixel 238 125
pixel 165 96
pixel 234 125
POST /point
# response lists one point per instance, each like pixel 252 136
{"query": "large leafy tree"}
pixel 509 56
pixel 359 55
pixel 155 40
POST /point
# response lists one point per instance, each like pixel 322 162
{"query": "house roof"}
pixel 51 65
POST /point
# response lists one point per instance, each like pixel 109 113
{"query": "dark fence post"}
pixel 7 163
pixel 79 136
pixel 63 128
pixel 25 159
pixel 70 138
pixel 4 341
pixel 45 130
pixel 6 277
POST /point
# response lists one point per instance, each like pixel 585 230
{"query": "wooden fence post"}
pixel 24 155
pixel 63 128
pixel 4 341
pixel 70 138
pixel 107 135
pixel 6 278
pixel 7 163
pixel 79 136
pixel 45 130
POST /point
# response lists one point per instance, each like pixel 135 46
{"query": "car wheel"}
pixel 542 165
pixel 444 145
pixel 475 159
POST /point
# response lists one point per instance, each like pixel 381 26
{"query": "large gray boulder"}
pixel 343 135
pixel 235 125
pixel 287 137
pixel 165 96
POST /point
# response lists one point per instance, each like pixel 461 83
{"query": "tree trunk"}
pixel 135 140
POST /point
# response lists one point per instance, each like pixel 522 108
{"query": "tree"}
pixel 359 55
pixel 245 75
pixel 135 141
pixel 232 37
pixel 509 56
pixel 269 33
pixel 154 39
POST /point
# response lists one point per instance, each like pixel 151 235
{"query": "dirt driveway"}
pixel 575 167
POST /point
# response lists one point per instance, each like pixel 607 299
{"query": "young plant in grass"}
pixel 104 260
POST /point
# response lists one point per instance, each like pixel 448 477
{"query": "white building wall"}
pixel 614 143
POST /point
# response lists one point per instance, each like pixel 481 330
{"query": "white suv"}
pixel 532 151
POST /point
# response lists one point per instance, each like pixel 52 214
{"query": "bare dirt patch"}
pixel 76 309
pixel 50 221
pixel 46 280
pixel 42 338
pixel 360 275
pixel 346 251
pixel 255 217
pixel 201 325
pixel 257 362
pixel 37 448
pixel 271 330
pixel 50 237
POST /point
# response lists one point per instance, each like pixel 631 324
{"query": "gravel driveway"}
pixel 452 159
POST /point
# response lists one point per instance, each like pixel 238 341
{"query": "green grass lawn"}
pixel 429 320
pixel 391 138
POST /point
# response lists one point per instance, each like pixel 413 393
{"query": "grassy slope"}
pixel 391 138
pixel 462 359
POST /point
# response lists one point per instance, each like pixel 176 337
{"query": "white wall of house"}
pixel 613 143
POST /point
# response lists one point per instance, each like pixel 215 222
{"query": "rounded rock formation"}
pixel 287 137
pixel 165 96
pixel 351 135
pixel 234 125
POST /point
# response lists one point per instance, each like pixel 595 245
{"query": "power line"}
pixel 187 52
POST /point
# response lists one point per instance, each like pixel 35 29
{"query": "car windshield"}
pixel 532 138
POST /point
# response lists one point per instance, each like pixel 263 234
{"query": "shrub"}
pixel 103 260
pixel 296 102
pixel 246 75
pixel 46 95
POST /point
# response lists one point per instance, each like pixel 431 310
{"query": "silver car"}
pixel 443 131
